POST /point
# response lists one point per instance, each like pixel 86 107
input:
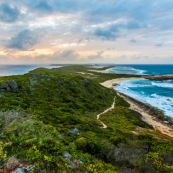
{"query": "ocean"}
pixel 8 70
pixel 155 93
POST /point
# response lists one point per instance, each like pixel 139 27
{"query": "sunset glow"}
pixel 90 31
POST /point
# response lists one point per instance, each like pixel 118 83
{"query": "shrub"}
pixel 33 140
pixel 81 143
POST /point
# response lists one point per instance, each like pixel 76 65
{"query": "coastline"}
pixel 150 115
pixel 111 83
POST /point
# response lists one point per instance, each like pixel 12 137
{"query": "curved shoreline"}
pixel 149 118
pixel 112 82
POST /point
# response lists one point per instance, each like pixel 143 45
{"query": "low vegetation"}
pixel 48 124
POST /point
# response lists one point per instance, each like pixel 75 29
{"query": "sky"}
pixel 83 31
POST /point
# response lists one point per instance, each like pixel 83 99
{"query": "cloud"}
pixel 65 56
pixel 98 55
pixel 159 44
pixel 113 31
pixel 43 6
pixel 108 34
pixel 24 40
pixel 132 41
pixel 52 6
pixel 86 23
pixel 8 14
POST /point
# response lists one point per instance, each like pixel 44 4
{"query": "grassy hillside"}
pixel 83 71
pixel 56 99
pixel 48 119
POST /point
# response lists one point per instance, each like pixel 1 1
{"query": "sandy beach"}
pixel 111 83
pixel 164 128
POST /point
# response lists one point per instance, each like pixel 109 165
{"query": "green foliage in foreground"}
pixel 32 141
pixel 54 113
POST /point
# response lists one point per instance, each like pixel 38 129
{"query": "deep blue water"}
pixel 142 69
pixel 156 93
pixel 8 70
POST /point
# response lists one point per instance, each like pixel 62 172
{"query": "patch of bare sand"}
pixel 111 83
pixel 157 124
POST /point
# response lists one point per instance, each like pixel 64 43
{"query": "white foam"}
pixel 134 84
pixel 163 84
pixel 126 70
pixel 163 103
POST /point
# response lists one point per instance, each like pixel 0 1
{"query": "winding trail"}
pixel 107 110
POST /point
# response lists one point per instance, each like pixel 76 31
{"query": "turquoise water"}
pixel 142 69
pixel 8 70
pixel 156 93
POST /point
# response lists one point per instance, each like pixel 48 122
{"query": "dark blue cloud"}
pixel 145 12
pixel 135 14
pixel 24 40
pixel 132 25
pixel 108 33
pixel 113 31
pixel 52 6
pixel 43 6
pixel 8 14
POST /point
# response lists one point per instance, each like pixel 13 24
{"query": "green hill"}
pixel 48 119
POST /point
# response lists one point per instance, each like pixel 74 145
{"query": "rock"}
pixel 13 85
pixel 5 87
pixel 66 155
pixel 72 163
pixel 24 169
pixel 73 132
pixel 10 86
pixel 20 170
pixel 30 167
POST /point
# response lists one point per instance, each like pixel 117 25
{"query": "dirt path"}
pixel 107 110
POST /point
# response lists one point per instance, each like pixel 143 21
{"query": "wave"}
pixel 135 83
pixel 126 70
pixel 148 95
pixel 163 84
pixel 162 102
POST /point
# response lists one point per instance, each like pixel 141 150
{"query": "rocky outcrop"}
pixel 73 132
pixel 24 169
pixel 10 86
pixel 160 78
pixel 5 87
pixel 72 163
